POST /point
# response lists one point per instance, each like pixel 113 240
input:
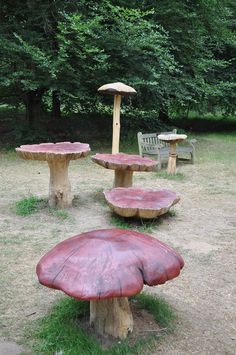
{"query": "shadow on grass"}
pixel 61 332
pixel 139 224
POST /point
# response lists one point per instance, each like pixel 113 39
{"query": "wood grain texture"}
pixel 108 263
pixel 122 161
pixel 112 316
pixel 140 202
pixel 52 151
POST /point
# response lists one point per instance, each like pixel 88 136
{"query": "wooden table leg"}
pixel 123 178
pixel 59 187
pixel 171 168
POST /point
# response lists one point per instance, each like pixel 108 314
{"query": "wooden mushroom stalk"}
pixel 140 202
pixel 106 267
pixel 124 166
pixel 58 157
pixel 118 90
pixel 172 139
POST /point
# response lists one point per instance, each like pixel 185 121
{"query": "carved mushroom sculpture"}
pixel 58 156
pixel 140 202
pixel 105 267
pixel 124 166
pixel 118 90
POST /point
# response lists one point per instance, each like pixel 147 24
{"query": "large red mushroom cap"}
pixel 140 202
pixel 108 263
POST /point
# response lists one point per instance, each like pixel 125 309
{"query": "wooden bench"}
pixel 149 144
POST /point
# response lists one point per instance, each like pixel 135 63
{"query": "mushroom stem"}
pixel 112 317
pixel 116 124
pixel 59 187
pixel 171 168
pixel 123 178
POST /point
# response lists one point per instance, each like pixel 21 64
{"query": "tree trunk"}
pixel 112 317
pixel 59 189
pixel 33 102
pixel 163 115
pixel 123 178
pixel 56 105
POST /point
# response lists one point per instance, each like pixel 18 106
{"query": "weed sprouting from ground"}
pixel 30 205
pixel 60 214
pixel 165 175
pixel 99 196
pixel 61 330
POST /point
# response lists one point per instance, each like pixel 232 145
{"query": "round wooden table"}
pixel 58 156
pixel 172 139
pixel 124 166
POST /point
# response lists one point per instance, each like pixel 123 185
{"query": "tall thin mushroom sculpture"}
pixel 118 90
pixel 105 267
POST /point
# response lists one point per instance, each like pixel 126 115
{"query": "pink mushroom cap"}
pixel 108 263
pixel 122 161
pixel 43 151
pixel 140 202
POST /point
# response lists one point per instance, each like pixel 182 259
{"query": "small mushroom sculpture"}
pixel 118 90
pixel 105 267
pixel 124 166
pixel 140 202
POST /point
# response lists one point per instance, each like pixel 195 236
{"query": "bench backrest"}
pixel 148 142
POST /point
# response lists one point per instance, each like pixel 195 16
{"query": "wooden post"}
pixel 116 125
pixel 123 178
pixel 171 168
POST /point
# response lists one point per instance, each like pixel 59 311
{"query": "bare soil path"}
pixel 202 229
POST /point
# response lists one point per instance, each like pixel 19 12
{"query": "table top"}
pixel 122 161
pixel 172 137
pixel 49 151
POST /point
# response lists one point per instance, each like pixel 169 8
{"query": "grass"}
pixel 60 331
pixel 28 206
pixel 33 204
pixel 159 308
pixel 60 214
pixel 165 175
pixel 141 225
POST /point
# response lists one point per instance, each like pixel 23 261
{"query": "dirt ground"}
pixel 202 229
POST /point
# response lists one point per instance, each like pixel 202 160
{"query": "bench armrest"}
pixel 191 142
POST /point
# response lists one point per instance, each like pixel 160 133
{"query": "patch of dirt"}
pixel 202 230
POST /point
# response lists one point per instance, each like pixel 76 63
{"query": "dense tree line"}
pixel 178 55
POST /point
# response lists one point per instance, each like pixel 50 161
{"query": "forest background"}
pixel 178 55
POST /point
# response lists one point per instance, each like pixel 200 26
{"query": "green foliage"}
pixel 179 55
pixel 28 206
pixel 60 331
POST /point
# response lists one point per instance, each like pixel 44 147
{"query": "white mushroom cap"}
pixel 117 89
